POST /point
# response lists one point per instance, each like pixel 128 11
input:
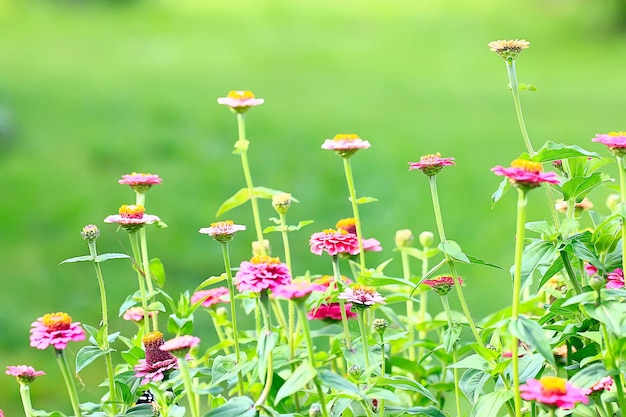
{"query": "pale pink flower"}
pixel 136 314
pixel 56 329
pixel 615 141
pixel 441 285
pixel 222 231
pixel 132 217
pixel 140 182
pixel 211 297
pixel 24 374
pixel 331 311
pixel 297 290
pixel 431 164
pixel 240 101
pixel 180 345
pixel 334 242
pixel 362 296
pixel 553 391
pixel 345 145
pixel 158 364
pixel 262 273
pixel 372 245
pixel 526 174
pixel 508 49
pixel 615 279
pixel 604 384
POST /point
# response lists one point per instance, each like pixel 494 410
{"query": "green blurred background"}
pixel 93 90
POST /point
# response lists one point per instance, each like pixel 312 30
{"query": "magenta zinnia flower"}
pixel 441 285
pixel 590 269
pixel 262 273
pixel 240 101
pixel 553 391
pixel 24 374
pixel 179 346
pixel 132 217
pixel 334 242
pixel 431 164
pixel 297 290
pixel 345 145
pixel 55 329
pixel 331 311
pixel 222 231
pixel 604 384
pixel 615 141
pixel 211 297
pixel 526 174
pixel 140 182
pixel 158 364
pixel 362 296
pixel 615 279
pixel 137 314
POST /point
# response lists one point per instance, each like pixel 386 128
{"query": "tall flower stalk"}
pixel 69 381
pixel 25 376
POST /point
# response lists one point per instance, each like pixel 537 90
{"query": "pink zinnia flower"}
pixel 349 225
pixel 334 242
pixel 615 279
pixel 591 270
pixel 55 329
pixel 179 346
pixel 508 49
pixel 331 311
pixel 137 314
pixel 262 273
pixel 441 285
pixel 553 391
pixel 372 245
pixel 211 297
pixel 615 141
pixel 240 101
pixel 140 182
pixel 345 145
pixel 222 231
pixel 431 164
pixel 362 296
pixel 24 374
pixel 158 364
pixel 526 174
pixel 297 290
pixel 132 217
pixel 604 384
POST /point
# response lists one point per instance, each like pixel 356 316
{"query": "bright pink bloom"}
pixel 158 364
pixel 140 182
pixel 441 285
pixel 137 314
pixel 615 141
pixel 24 374
pixel 349 225
pixel 240 101
pixel 604 384
pixel 526 174
pixel 431 164
pixel 331 311
pixel 297 290
pixel 591 270
pixel 345 145
pixel 179 346
pixel 334 242
pixel 615 279
pixel 553 392
pixel 132 217
pixel 222 231
pixel 262 273
pixel 362 296
pixel 55 329
pixel 211 297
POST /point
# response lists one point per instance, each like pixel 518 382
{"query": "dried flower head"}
pixel 331 312
pixel 90 233
pixel 526 174
pixel 240 101
pixel 180 345
pixel 345 145
pixel 211 297
pixel 431 164
pixel 362 296
pixel 262 273
pixel 509 49
pixel 334 242
pixel 158 364
pixel 132 217
pixel 56 329
pixel 553 392
pixel 223 231
pixel 615 141
pixel 615 279
pixel 140 182
pixel 297 290
pixel 25 374
pixel 441 285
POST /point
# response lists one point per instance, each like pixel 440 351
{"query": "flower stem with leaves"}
pixel 69 381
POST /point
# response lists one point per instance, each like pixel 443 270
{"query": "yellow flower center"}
pixel 430 157
pixel 617 133
pixel 152 338
pixel 264 259
pixel 132 211
pixel 333 231
pixel 363 289
pixel 346 224
pixel 240 95
pixel 225 223
pixel 57 321
pixel 346 136
pixel 553 385
pixel 527 165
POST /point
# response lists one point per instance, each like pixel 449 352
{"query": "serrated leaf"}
pixel 296 381
pixel 237 199
pixel 452 249
pixel 530 331
pixel 77 259
pixel 157 272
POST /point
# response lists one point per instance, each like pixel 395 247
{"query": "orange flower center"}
pixel 152 337
pixel 132 211
pixel 241 95
pixel 264 259
pixel 553 385
pixel 57 321
pixel 346 136
pixel 526 165
pixel 348 224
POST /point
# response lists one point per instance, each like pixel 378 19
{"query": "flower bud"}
pixel 257 249
pixel 315 410
pixel 354 371
pixel 404 238
pixel 380 325
pixel 426 239
pixel 90 233
pixel 281 202
pixel 597 282
pixel 612 201
pixel 221 313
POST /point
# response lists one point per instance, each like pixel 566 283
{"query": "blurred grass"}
pixel 90 91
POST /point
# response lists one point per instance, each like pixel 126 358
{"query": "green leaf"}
pixel 88 354
pixel 589 375
pixel 77 259
pixel 210 281
pixel 537 253
pixel 141 410
pixel 450 337
pixel 552 151
pixel 578 187
pixel 611 313
pixel 472 362
pixel 264 350
pixel 529 366
pixel 157 272
pixel 296 381
pixel 476 261
pixel 340 384
pixel 106 256
pixel 268 193
pixel 406 384
pixel 472 382
pixel 416 411
pixel 530 331
pixel 504 186
pixel 364 200
pixel 236 200
pixel 180 325
pixel 490 404
pixel 235 407
pixel 453 249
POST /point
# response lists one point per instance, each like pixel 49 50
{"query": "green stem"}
pixel 517 283
pixel 455 372
pixel 406 274
pixel 233 312
pixel 423 301
pixel 241 127
pixel 285 236
pixel 382 355
pixel 342 304
pixel 551 412
pixel 191 396
pixel 622 189
pixel 618 377
pixel 146 270
pixel 355 210
pixel 309 342
pixel 220 333
pixel 267 320
pixel 510 67
pixel 134 244
pixel 69 381
pixel 26 403
pixel 366 349
pixel 570 272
